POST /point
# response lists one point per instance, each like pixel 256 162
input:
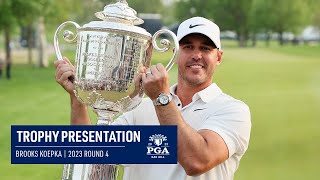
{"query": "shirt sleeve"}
pixel 233 123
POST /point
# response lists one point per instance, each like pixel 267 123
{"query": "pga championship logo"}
pixel 157 146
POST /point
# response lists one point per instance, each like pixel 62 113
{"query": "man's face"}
pixel 197 60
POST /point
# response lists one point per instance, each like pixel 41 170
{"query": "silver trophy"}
pixel 108 56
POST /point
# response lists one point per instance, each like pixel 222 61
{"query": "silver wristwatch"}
pixel 162 100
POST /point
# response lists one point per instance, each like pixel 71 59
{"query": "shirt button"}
pixel 179 104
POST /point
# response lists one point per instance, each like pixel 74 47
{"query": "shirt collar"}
pixel 173 89
pixel 206 95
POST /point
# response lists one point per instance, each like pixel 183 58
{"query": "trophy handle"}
pixel 67 36
pixel 166 45
pixel 70 38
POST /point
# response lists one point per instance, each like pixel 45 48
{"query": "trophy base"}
pixel 105 117
pixel 95 171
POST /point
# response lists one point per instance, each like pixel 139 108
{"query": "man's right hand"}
pixel 65 73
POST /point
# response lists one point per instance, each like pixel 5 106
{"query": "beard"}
pixel 195 79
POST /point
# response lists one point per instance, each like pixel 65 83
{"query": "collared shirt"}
pixel 210 109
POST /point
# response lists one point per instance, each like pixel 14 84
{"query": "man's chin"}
pixel 195 81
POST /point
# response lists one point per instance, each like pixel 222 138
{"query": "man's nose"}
pixel 196 55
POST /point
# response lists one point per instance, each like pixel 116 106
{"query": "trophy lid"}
pixel 118 16
pixel 121 11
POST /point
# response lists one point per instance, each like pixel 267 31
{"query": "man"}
pixel 213 128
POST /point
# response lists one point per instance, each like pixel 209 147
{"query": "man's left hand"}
pixel 155 81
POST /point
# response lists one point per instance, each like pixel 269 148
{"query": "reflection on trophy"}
pixel 108 55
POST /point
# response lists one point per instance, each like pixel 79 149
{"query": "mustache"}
pixel 195 62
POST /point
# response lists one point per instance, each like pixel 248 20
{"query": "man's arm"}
pixel 198 151
pixel 79 113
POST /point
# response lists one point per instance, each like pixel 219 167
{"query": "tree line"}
pixel 245 17
pixel 249 17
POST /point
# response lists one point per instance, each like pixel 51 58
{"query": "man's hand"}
pixel 155 81
pixel 65 72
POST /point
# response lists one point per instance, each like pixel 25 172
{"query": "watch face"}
pixel 164 99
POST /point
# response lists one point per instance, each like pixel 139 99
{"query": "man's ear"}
pixel 220 53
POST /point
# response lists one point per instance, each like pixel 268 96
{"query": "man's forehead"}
pixel 206 40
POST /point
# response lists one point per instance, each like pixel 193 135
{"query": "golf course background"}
pixel 281 85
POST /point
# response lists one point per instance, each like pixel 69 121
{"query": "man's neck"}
pixel 185 91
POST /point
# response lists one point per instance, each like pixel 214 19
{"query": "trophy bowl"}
pixel 107 62
pixel 108 57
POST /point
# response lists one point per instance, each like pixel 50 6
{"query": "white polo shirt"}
pixel 210 109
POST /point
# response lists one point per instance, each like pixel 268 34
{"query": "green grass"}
pixel 280 85
pixel 282 91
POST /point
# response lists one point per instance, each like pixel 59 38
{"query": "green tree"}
pixel 187 9
pixel 316 19
pixel 27 13
pixel 34 14
pixel 315 13
pixel 229 14
pixel 150 6
pixel 7 24
pixel 58 12
pixel 282 16
pixel 262 18
pixel 234 15
pixel 141 6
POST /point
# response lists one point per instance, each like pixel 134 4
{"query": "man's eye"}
pixel 206 48
pixel 187 47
